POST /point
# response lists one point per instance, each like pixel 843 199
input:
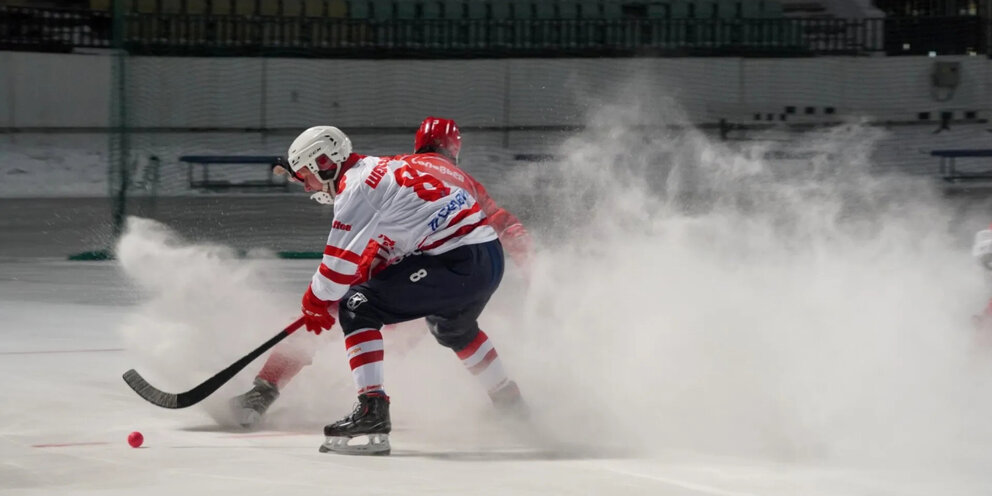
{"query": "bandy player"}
pixel 443 261
pixel 435 136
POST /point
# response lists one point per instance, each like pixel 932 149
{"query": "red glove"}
pixel 518 244
pixel 317 313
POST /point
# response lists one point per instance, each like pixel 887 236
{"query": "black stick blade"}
pixel 182 400
pixel 149 392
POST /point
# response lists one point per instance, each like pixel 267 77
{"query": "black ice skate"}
pixel 370 419
pixel 249 407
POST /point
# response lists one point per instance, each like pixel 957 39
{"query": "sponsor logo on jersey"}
pixel 429 164
pixel 456 204
pixel 378 172
pixel 340 225
pixel 356 300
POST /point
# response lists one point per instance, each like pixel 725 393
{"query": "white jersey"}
pixel 400 204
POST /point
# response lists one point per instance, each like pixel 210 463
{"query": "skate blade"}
pixel 376 445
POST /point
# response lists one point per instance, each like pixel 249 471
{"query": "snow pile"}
pixel 690 297
pixel 204 308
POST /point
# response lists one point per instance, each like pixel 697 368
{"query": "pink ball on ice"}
pixel 135 439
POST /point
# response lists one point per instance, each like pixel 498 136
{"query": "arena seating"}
pixel 454 9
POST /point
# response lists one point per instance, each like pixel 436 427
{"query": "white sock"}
pixel 365 356
pixel 481 359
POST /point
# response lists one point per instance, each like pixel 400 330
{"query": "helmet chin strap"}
pixel 323 197
pixel 326 195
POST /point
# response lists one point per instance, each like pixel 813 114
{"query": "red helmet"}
pixel 437 134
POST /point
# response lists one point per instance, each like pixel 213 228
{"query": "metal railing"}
pixel 194 34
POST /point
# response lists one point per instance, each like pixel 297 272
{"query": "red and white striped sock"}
pixel 282 366
pixel 365 353
pixel 481 359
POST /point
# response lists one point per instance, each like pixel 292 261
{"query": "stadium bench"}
pixel 948 165
pixel 206 161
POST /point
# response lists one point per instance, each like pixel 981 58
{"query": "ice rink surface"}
pixel 66 414
pixel 782 331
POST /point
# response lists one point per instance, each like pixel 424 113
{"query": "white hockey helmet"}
pixel 322 149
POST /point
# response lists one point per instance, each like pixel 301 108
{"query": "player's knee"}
pixel 352 321
pixel 355 313
pixel 451 334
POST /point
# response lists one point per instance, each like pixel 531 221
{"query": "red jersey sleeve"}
pixel 512 233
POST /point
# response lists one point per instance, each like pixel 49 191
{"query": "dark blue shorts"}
pixel 450 290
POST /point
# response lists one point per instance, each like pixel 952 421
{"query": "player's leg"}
pixel 458 330
pixel 364 310
pixel 477 353
pixel 414 288
pixel 286 360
